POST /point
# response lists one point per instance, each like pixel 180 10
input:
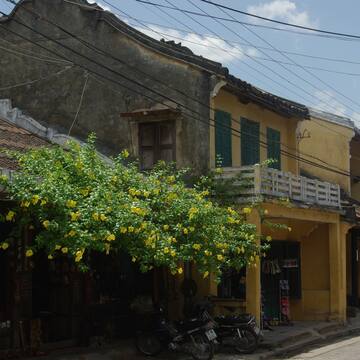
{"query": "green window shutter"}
pixel 223 146
pixel 274 147
pixel 250 142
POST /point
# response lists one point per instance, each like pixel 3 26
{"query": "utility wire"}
pixel 31 82
pixel 249 24
pixel 296 64
pixel 141 93
pixel 259 62
pixel 80 102
pixel 202 35
pixel 64 30
pixel 282 22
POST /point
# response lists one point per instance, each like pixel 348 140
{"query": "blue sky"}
pixel 236 48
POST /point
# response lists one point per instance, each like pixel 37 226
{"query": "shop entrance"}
pixel 280 281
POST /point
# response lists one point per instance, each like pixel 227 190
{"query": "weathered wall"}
pixel 54 100
pixel 355 167
pixel 228 102
pixel 330 143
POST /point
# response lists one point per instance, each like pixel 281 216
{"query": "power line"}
pixel 282 22
pixel 267 67
pixel 295 63
pixel 31 82
pixel 249 24
pixel 263 144
pixel 109 55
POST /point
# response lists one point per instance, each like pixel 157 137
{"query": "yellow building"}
pixel 303 277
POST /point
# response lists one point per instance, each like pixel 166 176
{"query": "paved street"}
pixel 348 349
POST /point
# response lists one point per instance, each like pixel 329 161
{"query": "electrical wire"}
pixel 249 24
pixel 31 82
pixel 290 155
pixel 295 63
pixel 282 22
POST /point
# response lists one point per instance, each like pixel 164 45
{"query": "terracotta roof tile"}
pixel 13 137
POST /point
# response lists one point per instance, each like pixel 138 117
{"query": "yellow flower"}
pixel 174 240
pixel 72 233
pixel 57 247
pixel 166 227
pixel 4 245
pixel 196 246
pixel 206 274
pixel 218 170
pixel 43 202
pixel 138 211
pixel 289 229
pixel 156 191
pixel 146 194
pixel 171 179
pixel 125 154
pixel 186 231
pixel 247 210
pixel 123 230
pixel 131 229
pixel 35 199
pixel 29 253
pixel 50 257
pixel 268 238
pixel 71 203
pixel 95 216
pixel 207 253
pixel 111 237
pixel 220 257
pixel 46 224
pixel 25 204
pixel 180 270
pixel 166 250
pixel 191 229
pixel 103 217
pixel 173 253
pixel 192 212
pixel 84 192
pixel 75 216
pixel 10 215
pixel 64 250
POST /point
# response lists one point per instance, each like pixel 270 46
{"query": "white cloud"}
pixel 328 102
pixel 210 47
pixel 284 10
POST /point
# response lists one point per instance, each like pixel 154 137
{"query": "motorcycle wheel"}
pixel 246 342
pixel 148 344
pixel 200 348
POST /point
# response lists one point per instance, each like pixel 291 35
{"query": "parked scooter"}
pixel 195 337
pixel 237 331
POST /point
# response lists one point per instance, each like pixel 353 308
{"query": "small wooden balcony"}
pixel 260 181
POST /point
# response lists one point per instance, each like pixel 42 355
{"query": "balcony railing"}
pixel 257 180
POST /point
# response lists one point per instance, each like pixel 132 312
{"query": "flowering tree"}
pixel 80 202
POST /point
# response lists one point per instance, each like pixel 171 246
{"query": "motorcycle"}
pixel 237 331
pixel 195 337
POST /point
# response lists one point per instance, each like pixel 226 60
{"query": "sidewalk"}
pixel 277 343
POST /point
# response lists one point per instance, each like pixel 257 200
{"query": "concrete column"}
pixel 337 263
pixel 253 285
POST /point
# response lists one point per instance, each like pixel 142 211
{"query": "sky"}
pixel 262 56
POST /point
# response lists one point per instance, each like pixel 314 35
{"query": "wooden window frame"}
pixel 157 146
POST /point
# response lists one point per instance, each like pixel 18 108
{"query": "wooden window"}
pixel 223 146
pixel 250 142
pixel 156 142
pixel 274 147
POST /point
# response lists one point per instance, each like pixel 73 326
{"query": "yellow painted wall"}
pixel 228 102
pixel 355 167
pixel 330 143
